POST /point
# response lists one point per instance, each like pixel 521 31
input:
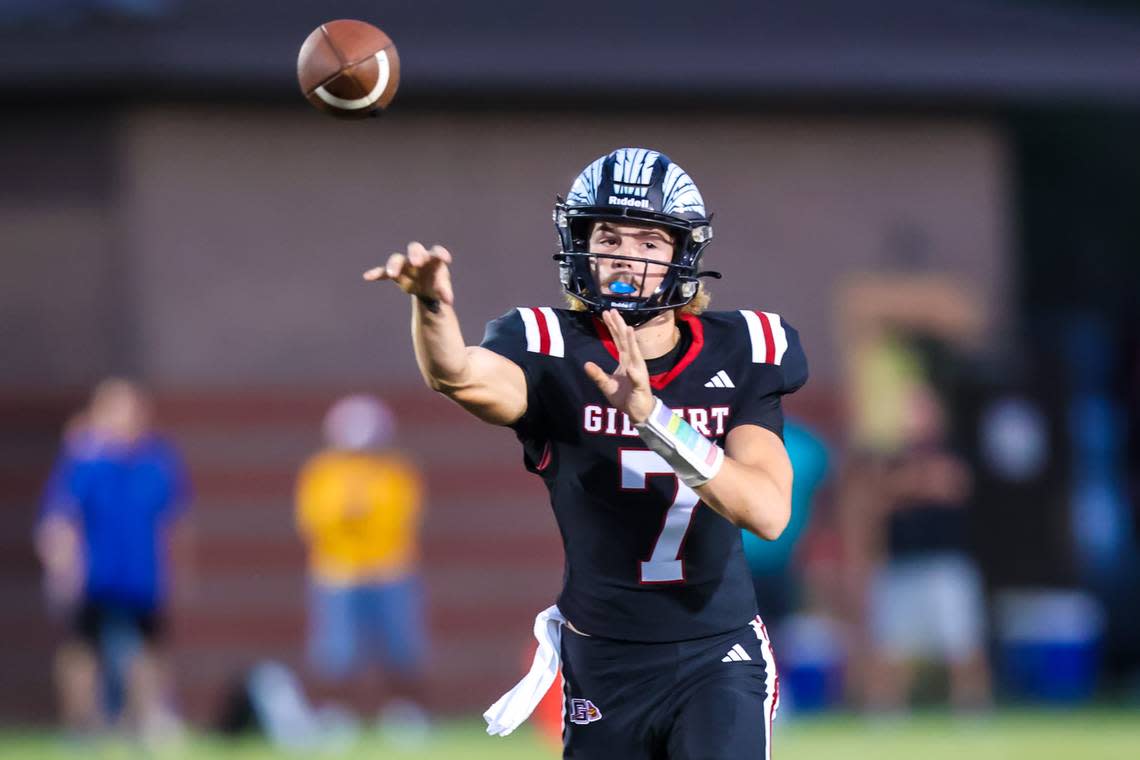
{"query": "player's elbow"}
pixel 450 385
pixel 458 391
pixel 439 385
pixel 498 407
pixel 768 520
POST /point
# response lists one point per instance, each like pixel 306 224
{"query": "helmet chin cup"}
pixel 631 311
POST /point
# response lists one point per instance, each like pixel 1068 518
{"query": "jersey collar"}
pixel 658 382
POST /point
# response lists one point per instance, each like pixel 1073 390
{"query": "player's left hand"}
pixel 627 389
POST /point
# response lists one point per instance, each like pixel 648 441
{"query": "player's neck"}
pixel 658 336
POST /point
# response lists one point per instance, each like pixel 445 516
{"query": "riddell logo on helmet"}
pixel 635 202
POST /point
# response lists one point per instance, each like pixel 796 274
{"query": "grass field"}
pixel 1061 735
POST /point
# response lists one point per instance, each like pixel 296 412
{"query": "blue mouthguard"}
pixel 622 288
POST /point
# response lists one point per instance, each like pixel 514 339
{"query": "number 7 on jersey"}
pixel 665 564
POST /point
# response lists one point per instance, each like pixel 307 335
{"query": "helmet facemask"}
pixel 579 268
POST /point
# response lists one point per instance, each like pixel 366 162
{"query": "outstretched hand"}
pixel 627 389
pixel 420 272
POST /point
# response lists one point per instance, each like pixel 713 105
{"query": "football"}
pixel 349 69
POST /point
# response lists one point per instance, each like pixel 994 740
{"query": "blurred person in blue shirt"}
pixel 116 489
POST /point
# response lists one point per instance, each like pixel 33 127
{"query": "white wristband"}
pixel 694 458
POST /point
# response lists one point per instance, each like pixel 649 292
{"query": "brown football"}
pixel 349 69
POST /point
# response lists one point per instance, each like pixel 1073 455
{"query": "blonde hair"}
pixel 699 303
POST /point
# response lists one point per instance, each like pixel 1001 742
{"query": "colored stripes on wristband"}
pixel 694 458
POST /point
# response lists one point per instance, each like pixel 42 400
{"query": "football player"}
pixel 656 426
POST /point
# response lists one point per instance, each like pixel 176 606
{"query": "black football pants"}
pixel 705 699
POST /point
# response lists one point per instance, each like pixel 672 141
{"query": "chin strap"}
pixel 694 458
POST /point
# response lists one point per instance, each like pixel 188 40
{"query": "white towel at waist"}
pixel 516 705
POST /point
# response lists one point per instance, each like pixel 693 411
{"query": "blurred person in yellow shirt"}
pixel 358 508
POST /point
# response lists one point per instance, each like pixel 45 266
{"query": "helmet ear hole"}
pixel 688 289
pixel 580 230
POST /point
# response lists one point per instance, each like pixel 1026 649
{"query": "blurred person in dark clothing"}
pixel 926 598
pixel 115 492
pixel 887 321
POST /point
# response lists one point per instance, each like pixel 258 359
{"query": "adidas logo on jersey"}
pixel 720 380
pixel 736 654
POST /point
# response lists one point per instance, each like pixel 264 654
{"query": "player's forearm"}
pixel 485 384
pixel 749 482
pixel 749 498
pixel 441 353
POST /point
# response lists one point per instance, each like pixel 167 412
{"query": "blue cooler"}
pixel 810 661
pixel 1049 644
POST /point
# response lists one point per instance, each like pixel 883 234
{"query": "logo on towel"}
pixel 582 711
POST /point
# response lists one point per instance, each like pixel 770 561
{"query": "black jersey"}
pixel 645 561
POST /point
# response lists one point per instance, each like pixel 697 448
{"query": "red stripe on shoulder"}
pixel 543 331
pixel 769 340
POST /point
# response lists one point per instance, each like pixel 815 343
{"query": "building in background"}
pixel 162 175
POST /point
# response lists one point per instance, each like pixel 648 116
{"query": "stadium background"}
pixel 170 207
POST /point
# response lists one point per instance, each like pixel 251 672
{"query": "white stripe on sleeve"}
pixel 531 323
pixel 756 335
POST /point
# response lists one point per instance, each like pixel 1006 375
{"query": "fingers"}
pixel 395 266
pixel 417 254
pixel 631 362
pixel 634 346
pixel 407 264
pixel 390 271
pixel 445 293
pixel 435 263
pixel 614 324
pixel 606 384
pixel 631 346
pixel 441 253
pixel 623 335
